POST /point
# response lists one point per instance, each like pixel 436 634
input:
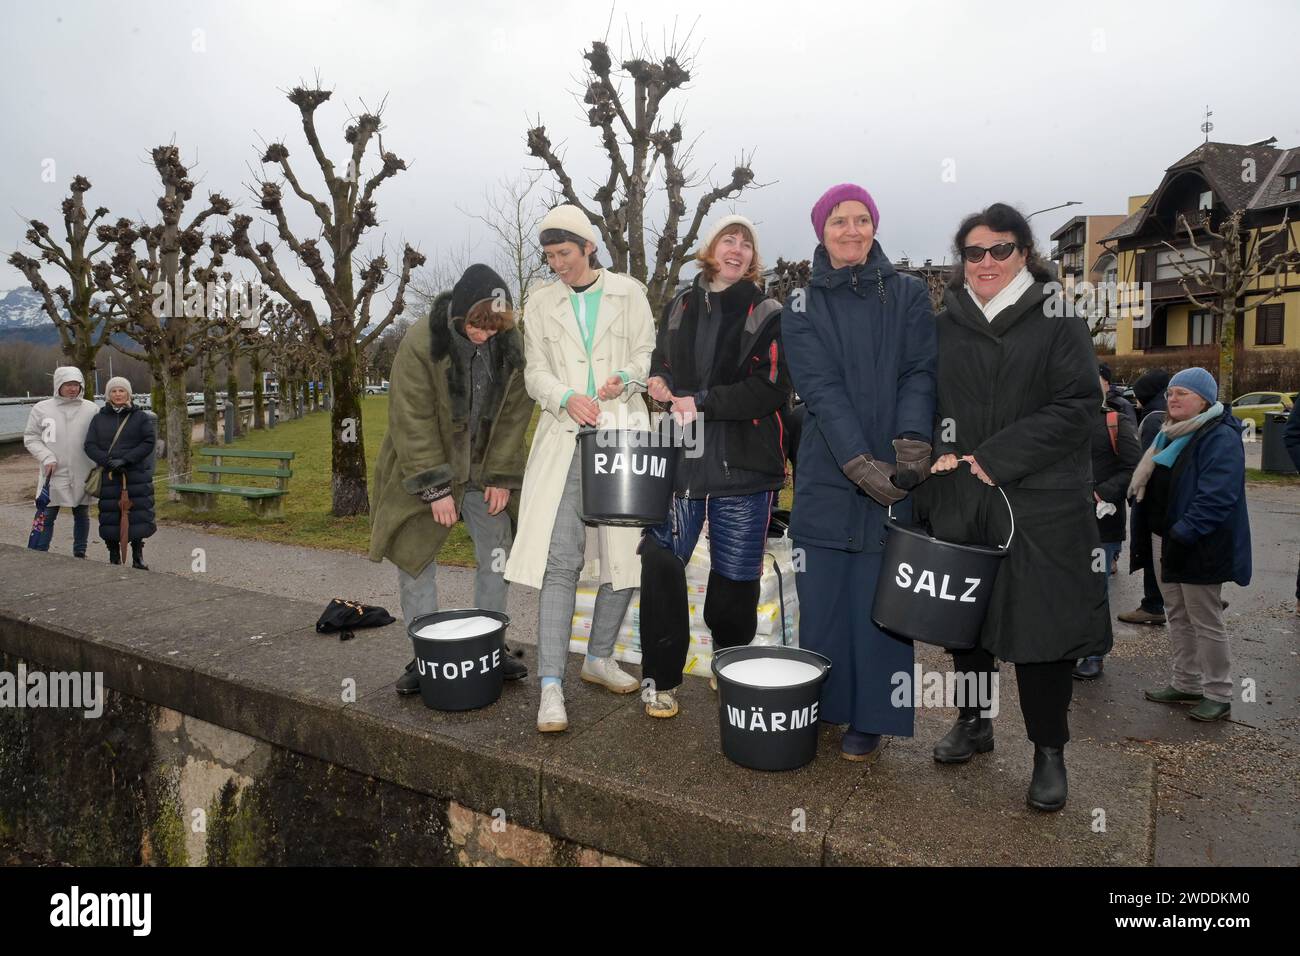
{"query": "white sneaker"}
pixel 606 672
pixel 550 715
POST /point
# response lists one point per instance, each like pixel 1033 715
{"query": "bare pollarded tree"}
pixel 84 324
pixel 512 214
pixel 1231 262
pixel 165 296
pixel 346 212
pixel 642 149
pixel 787 277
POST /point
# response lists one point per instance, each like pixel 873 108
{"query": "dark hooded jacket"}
pixel 1112 466
pixel 135 447
pixel 428 446
pixel 742 398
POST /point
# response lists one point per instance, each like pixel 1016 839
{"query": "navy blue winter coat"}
pixel 862 350
pixel 1209 530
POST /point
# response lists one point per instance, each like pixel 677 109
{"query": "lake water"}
pixel 13 417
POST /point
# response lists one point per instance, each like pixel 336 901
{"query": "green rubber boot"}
pixel 1167 695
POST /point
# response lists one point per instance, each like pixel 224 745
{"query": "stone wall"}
pixel 147 785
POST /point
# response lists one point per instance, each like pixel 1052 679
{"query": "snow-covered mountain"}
pixel 21 309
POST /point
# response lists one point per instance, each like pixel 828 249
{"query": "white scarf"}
pixel 1009 295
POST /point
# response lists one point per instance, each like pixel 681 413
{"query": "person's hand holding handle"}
pixel 875 478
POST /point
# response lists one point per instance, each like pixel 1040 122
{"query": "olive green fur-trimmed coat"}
pixel 427 443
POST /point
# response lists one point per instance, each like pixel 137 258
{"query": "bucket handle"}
pixel 780 588
pixel 1011 513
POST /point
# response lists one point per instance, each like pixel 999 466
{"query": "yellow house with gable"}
pixel 1259 180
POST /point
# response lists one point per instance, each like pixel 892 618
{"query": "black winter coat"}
pixel 742 398
pixel 135 447
pixel 1020 393
pixel 1112 467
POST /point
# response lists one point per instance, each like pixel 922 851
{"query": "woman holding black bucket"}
pixel 718 357
pixel 1017 400
pixel 588 340
pixel 861 347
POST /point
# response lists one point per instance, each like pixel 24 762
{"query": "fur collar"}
pixel 505 348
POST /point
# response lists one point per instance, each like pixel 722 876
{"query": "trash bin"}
pixel 1274 457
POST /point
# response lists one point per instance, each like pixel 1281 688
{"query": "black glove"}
pixel 875 478
pixel 116 464
pixel 913 462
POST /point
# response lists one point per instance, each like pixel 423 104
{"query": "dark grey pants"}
pixel 492 539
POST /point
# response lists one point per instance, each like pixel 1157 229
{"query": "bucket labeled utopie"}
pixel 459 657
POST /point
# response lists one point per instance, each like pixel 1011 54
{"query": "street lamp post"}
pixel 1072 202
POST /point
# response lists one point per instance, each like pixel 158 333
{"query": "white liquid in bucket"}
pixel 770 672
pixel 461 627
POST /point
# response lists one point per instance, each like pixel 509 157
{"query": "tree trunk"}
pixel 348 452
pixel 158 403
pixel 209 404
pixel 86 362
pixel 178 432
pixel 1227 356
pixel 232 389
pixel 259 416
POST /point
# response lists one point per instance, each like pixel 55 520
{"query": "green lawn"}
pixel 1254 474
pixel 307 520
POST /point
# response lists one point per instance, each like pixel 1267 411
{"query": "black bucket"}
pixel 774 727
pixel 459 673
pixel 934 591
pixel 627 476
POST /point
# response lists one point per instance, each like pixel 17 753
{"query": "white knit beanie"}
pixel 114 382
pixel 570 219
pixel 721 225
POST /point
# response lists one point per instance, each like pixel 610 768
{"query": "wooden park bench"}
pixel 263 502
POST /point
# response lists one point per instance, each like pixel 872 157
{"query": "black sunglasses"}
pixel 1000 252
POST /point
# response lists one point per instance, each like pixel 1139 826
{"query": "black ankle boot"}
pixel 137 555
pixel 409 682
pixel 1048 788
pixel 968 737
pixel 114 552
pixel 512 668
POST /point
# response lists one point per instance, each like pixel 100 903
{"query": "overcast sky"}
pixel 1028 103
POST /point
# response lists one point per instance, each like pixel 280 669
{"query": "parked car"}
pixel 381 389
pixel 1253 406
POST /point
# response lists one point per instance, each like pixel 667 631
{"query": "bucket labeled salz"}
pixel 459 657
pixel 769 698
pixel 935 591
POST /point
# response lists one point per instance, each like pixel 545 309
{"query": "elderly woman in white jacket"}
pixel 55 436
pixel 587 338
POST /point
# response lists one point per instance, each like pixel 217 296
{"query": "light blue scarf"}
pixel 1167 451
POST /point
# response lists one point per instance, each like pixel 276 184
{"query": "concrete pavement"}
pixel 1227 792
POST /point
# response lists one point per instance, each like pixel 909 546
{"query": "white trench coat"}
pixel 557 362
